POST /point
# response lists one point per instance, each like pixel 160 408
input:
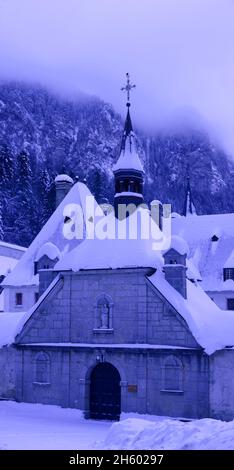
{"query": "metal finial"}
pixel 128 87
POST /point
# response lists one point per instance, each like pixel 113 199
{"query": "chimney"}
pixel 63 184
pixel 175 265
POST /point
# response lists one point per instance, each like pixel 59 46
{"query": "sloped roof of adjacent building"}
pixel 9 256
pixel 212 327
pixel 9 325
pixel 209 257
pixel 52 232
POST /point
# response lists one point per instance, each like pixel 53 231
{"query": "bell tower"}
pixel 128 170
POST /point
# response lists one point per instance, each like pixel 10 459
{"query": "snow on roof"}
pixel 7 264
pixel 192 272
pixel 62 178
pixel 212 328
pixel 179 245
pixel 129 158
pixel 25 317
pixel 11 245
pixel 48 249
pixel 9 323
pixel 230 261
pixel 23 274
pixel 207 256
pixel 115 253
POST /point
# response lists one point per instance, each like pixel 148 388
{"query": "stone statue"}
pixel 104 316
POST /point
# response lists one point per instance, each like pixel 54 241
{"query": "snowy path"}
pixel 26 426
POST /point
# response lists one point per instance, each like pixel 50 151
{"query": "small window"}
pixel 18 299
pixel 35 268
pixel 214 238
pixel 42 373
pixel 228 273
pixel 172 374
pixel 46 266
pixel 230 304
pixel 36 295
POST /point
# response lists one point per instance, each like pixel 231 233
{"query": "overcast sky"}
pixel 180 53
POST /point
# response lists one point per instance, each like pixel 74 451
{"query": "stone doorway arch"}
pixel 105 392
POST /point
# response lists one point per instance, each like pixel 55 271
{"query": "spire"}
pixel 128 124
pixel 128 129
pixel 128 170
pixel 189 208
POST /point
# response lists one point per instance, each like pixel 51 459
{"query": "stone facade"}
pixel 8 372
pixel 222 384
pixel 162 368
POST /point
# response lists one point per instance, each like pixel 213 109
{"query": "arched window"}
pixel 42 368
pixel 172 374
pixel 103 316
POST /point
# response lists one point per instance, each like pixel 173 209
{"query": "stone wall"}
pixel 140 316
pixel 222 385
pixel 139 313
pixel 141 372
pixel 7 372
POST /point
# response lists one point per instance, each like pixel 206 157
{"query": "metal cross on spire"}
pixel 128 87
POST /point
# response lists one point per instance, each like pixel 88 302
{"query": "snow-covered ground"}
pixel 30 426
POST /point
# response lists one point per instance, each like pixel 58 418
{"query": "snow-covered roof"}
pixel 9 323
pixel 129 158
pixel 62 178
pixel 116 252
pixel 192 272
pixel 48 249
pixel 7 264
pixel 26 315
pixel 230 261
pixel 12 246
pixel 179 245
pixel 209 257
pixel 9 256
pixel 212 328
pixel 23 274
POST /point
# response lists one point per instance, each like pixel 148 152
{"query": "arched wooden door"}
pixel 105 393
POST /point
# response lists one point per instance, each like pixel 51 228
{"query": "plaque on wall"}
pixel 132 388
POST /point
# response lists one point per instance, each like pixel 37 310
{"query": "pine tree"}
pixel 23 203
pixel 46 199
pixel 6 167
pixel 7 187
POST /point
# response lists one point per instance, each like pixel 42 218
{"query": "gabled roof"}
pixel 209 257
pixel 117 252
pixel 23 273
pixel 212 328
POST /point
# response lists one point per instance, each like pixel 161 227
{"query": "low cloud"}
pixel 179 53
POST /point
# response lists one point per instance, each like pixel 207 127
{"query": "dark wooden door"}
pixel 105 396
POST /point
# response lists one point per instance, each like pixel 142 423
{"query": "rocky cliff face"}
pixel 83 139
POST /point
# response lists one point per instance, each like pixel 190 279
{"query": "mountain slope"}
pixel 83 139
